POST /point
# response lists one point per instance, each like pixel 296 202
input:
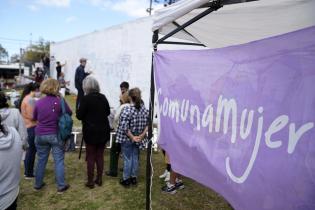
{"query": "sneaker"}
pixel 169 188
pixel 162 176
pixel 29 177
pixel 40 187
pixel 167 177
pixel 64 189
pixel 133 180
pixel 89 185
pixel 125 183
pixel 179 185
pixel 110 174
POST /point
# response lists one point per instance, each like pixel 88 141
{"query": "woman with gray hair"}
pixel 93 111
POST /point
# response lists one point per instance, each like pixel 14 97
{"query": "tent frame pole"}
pixel 156 41
pixel 150 128
pixel 182 43
pixel 215 6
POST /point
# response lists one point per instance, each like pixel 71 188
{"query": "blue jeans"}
pixel 130 153
pixel 30 153
pixel 44 144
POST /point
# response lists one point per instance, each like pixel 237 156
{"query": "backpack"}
pixel 65 123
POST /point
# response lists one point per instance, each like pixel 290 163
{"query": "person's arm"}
pixel 107 107
pixel 132 137
pixel 35 113
pixel 22 129
pixel 81 111
pixel 142 135
pixel 68 109
pixel 124 121
pixel 26 111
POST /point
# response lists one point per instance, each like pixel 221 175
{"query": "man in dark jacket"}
pixel 80 75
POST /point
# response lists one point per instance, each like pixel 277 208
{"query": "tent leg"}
pixel 150 130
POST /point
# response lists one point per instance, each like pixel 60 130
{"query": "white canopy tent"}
pixel 206 22
pixel 236 23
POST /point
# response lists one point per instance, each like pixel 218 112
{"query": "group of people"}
pixel 34 128
pixel 130 124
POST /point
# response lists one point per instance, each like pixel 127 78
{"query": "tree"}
pixel 35 52
pixel 15 58
pixel 3 54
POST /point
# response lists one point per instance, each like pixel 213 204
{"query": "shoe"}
pixel 89 185
pixel 64 189
pixel 169 188
pixel 98 182
pixel 40 187
pixel 110 174
pixel 179 185
pixel 162 176
pixel 167 177
pixel 29 177
pixel 133 180
pixel 125 183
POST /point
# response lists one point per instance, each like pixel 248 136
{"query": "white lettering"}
pixel 245 133
pixel 165 106
pixel 184 110
pixel 294 136
pixel 207 118
pixel 173 109
pixel 229 106
pixel 279 123
pixel 195 109
pixel 245 175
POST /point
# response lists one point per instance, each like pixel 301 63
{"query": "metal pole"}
pixel 20 63
pixel 150 130
pixel 215 6
pixel 150 8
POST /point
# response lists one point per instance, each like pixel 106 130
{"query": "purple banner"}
pixel 240 119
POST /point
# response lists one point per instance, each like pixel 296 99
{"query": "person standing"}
pixel 116 149
pixel 10 161
pixel 80 75
pixel 26 109
pixel 46 65
pixel 47 112
pixel 131 134
pixel 63 84
pixel 124 87
pixel 93 111
pixel 59 68
pixel 12 118
pixel 39 75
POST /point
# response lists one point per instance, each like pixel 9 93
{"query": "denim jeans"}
pixel 130 153
pixel 30 153
pixel 70 145
pixel 44 144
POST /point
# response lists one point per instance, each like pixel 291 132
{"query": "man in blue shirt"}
pixel 80 75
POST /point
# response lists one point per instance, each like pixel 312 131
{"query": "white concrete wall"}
pixel 120 53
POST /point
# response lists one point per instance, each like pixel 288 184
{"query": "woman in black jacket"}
pixel 93 111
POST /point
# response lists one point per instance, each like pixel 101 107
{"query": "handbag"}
pixel 65 123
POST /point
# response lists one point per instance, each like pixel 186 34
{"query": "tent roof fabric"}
pixel 237 23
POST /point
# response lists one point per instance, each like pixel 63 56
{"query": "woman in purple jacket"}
pixel 47 112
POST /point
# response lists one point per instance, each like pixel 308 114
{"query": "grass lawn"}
pixel 111 195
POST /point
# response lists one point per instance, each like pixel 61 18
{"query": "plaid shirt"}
pixel 135 121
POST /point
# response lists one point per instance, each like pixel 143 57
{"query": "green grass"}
pixel 71 99
pixel 111 195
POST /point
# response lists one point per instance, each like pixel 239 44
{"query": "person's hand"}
pixel 136 138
